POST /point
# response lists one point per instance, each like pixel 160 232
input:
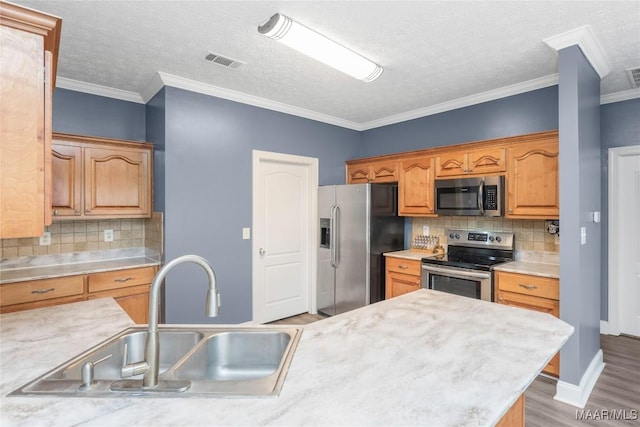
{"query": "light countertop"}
pixel 423 358
pixel 531 268
pixel 48 267
pixel 409 254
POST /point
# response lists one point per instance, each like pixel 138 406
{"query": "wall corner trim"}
pixel 586 40
pixel 579 395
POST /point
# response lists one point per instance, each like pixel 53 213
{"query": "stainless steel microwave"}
pixel 480 196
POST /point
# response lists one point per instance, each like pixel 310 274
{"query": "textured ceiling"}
pixel 432 51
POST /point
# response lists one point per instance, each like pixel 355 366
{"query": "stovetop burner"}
pixel 475 250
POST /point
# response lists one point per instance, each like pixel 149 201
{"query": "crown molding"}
pixel 624 95
pixel 94 89
pixel 243 98
pixel 466 101
pixel 586 40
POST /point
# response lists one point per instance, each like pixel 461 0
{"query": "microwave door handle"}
pixel 481 198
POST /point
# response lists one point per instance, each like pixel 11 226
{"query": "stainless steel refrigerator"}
pixel 358 223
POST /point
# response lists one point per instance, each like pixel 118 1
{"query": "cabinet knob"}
pixel 55 212
pixel 87 211
pixel 510 210
pixel 500 299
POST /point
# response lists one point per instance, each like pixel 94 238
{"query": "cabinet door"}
pixel 532 181
pixel 117 182
pixel 487 161
pixel 384 171
pixel 134 300
pixel 66 197
pixel 399 284
pixel 451 164
pixel 543 305
pixel 22 132
pixel 415 187
pixel 358 174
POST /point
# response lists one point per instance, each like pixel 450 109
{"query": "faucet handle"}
pixel 131 369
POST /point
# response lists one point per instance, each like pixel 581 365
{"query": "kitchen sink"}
pixel 205 361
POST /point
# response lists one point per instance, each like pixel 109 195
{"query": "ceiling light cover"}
pixel 306 41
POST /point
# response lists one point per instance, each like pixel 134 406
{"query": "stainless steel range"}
pixel 467 267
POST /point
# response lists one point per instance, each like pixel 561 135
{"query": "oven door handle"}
pixel 461 273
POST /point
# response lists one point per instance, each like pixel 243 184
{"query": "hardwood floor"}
pixel 617 389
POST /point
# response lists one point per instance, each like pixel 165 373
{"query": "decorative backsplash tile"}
pixel 88 236
pixel 530 234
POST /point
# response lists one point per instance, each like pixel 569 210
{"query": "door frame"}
pixel 615 246
pixel 312 164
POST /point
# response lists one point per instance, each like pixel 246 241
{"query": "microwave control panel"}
pixel 491 198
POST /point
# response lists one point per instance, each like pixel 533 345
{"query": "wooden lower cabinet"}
pixel 402 276
pixel 129 287
pixel 532 293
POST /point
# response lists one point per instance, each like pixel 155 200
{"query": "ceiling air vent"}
pixel 223 60
pixel 634 76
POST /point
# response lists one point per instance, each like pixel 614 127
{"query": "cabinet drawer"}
pixel 40 290
pixel 543 287
pixel 404 266
pixel 120 279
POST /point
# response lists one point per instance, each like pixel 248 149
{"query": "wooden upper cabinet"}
pixel 378 171
pixel 101 178
pixel 532 180
pixel 117 182
pixel 66 199
pixel 28 53
pixel 415 187
pixel 478 162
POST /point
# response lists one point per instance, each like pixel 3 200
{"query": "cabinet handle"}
pixel 123 280
pixel 404 267
pixel 87 211
pixel 522 285
pixel 500 299
pixel 42 291
pixel 77 211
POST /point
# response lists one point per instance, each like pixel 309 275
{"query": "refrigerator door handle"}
pixel 332 240
pixel 336 240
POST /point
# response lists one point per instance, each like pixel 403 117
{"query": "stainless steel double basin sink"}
pixel 211 361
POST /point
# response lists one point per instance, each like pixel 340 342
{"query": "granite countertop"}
pixel 51 266
pixel 409 254
pixel 411 360
pixel 531 268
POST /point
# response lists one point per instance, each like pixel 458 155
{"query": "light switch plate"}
pixel 45 239
pixel 108 235
pixel 246 233
pixel 583 235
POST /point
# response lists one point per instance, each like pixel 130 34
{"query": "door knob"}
pixel 262 251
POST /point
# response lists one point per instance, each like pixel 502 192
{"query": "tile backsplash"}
pixel 530 234
pixel 87 236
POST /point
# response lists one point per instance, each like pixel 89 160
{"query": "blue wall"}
pixel 534 111
pixel 155 120
pixel 619 127
pixel 579 127
pixel 208 190
pixel 85 114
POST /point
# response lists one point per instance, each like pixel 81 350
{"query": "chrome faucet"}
pixel 151 365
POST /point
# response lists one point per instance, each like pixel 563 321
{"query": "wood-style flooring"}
pixel 617 389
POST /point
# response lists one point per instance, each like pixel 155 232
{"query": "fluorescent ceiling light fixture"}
pixel 306 41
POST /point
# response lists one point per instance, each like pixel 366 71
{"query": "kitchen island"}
pixel 425 358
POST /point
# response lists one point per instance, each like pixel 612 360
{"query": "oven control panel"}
pixel 480 238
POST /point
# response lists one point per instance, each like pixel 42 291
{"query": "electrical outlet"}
pixel 108 235
pixel 425 230
pixel 246 233
pixel 45 239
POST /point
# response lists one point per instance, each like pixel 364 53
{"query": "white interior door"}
pixel 285 203
pixel 624 235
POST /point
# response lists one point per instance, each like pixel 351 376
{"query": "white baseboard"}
pixel 579 395
pixel 604 327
